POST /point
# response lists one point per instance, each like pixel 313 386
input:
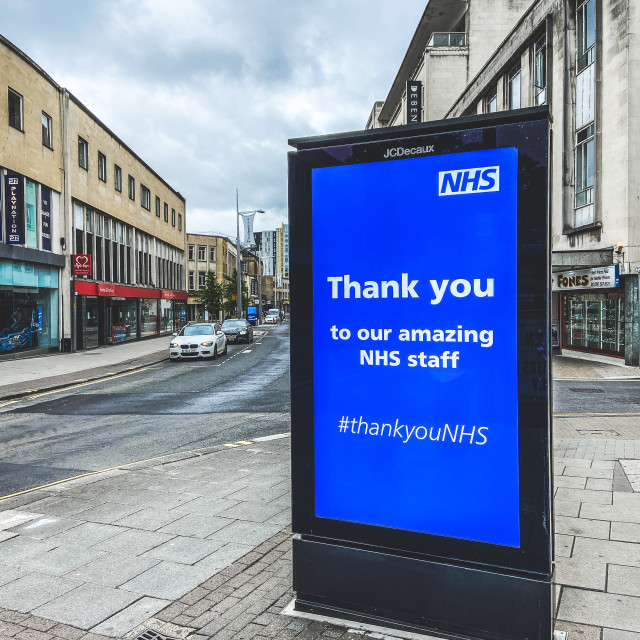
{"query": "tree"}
pixel 211 294
pixel 230 288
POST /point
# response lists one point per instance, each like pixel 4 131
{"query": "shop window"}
pixel 584 166
pixel 102 166
pixel 145 197
pixel 117 178
pixel 83 153
pixel 46 130
pixel 157 206
pixel 540 72
pixel 124 319
pixel 15 109
pixel 132 188
pixel 202 253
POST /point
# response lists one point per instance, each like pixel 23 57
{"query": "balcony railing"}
pixel 448 40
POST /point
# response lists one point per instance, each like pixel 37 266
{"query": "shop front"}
pixel 591 311
pixel 110 313
pixel 28 307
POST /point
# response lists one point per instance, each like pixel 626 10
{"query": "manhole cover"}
pixel 597 432
pixel 150 634
pixel 585 390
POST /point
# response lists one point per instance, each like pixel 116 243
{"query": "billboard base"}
pixel 418 595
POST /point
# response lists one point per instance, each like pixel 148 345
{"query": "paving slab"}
pixel 600 609
pixel 112 570
pixel 9 573
pixel 616 634
pixel 134 541
pixel 150 519
pixel 45 527
pixel 135 614
pixel 625 531
pixel 197 525
pixel 62 560
pixel 167 580
pixel 86 606
pixel 34 590
pixel 184 550
pixel 12 518
pixel 86 535
pixel 623 579
pixel 17 549
pixel 582 527
pixel 584 496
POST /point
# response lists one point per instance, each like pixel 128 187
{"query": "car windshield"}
pixel 274 312
pixel 198 330
pixel 233 324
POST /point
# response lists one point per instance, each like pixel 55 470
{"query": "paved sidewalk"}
pixel 198 544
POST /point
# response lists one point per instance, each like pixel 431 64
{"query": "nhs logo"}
pixel 480 180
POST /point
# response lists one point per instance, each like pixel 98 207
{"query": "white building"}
pixel 581 58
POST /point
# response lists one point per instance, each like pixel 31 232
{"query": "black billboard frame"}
pixel 333 560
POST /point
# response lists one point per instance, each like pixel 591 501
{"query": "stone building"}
pixel 581 59
pixel 92 249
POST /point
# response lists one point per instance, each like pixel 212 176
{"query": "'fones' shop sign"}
pixel 600 278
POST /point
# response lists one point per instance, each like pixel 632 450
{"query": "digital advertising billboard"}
pixel 420 279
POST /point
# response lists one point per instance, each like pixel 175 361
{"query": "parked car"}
pixel 238 330
pixel 198 340
pixel 272 317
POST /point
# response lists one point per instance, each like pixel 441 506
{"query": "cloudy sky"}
pixel 208 92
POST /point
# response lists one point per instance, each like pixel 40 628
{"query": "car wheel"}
pixel 226 345
pixel 215 351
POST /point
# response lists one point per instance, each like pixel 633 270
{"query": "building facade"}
pixel 206 252
pixel 92 245
pixel 580 58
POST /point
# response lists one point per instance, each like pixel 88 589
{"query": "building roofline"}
pixel 23 56
pixel 438 16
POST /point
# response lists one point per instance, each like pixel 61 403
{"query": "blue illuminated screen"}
pixel 415 344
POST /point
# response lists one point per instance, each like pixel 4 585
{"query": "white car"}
pixel 272 317
pixel 198 340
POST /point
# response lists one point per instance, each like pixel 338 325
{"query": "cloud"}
pixel 208 92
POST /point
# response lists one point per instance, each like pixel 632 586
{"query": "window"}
pixel 145 197
pixel 46 130
pixel 584 166
pixel 491 102
pixel 83 153
pixel 585 33
pixel 15 109
pixel 514 88
pixel 132 188
pixel 179 222
pixel 157 206
pixel 191 281
pixel 166 212
pixel 202 253
pixel 117 177
pixel 540 72
pixel 212 254
pixel 102 166
pixel 202 278
pixel 191 251
pixel 173 217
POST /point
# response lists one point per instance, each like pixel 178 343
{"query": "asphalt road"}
pixel 166 408
pixel 582 397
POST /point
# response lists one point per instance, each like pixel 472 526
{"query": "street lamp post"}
pixel 238 250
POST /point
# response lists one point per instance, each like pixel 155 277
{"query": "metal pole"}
pixel 238 266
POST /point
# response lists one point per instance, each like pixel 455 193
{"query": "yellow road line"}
pixel 120 466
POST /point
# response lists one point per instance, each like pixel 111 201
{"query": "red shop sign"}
pixel 82 264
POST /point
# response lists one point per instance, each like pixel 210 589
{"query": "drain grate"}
pixel 151 634
pixel 585 390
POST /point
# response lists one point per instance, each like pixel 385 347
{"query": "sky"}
pixel 208 92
